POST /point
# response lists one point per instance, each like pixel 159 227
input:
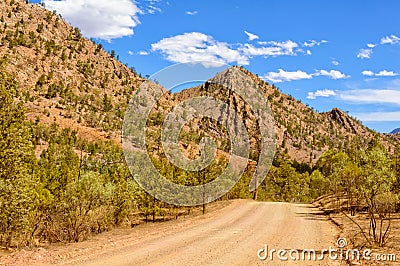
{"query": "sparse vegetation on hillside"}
pixel 62 171
pixel 61 74
pixel 71 189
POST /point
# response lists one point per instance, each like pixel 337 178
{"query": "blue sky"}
pixel 328 54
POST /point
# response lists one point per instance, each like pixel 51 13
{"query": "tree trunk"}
pixel 255 190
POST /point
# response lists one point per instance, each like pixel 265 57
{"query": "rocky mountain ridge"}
pixel 395 131
pixel 71 81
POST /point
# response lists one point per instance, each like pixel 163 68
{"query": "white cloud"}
pixel 191 13
pixel 378 116
pixel 383 73
pixel 195 46
pixel 139 53
pixel 361 96
pixel 99 19
pixel 321 93
pixel 392 39
pixel 270 49
pixel 335 62
pixel 283 75
pixel 368 73
pixel 144 53
pixel 251 36
pixel 149 6
pixel 365 53
pixel 153 9
pixel 383 96
pixel 312 43
pixel 333 74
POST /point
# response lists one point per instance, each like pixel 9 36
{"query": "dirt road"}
pixel 230 236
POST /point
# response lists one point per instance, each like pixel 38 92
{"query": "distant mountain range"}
pixel 397 130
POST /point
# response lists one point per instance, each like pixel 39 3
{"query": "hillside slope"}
pixel 63 77
pixel 67 79
pixel 301 132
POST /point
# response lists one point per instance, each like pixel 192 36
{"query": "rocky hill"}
pixel 396 131
pixel 67 79
pixel 395 134
pixel 302 133
pixel 63 77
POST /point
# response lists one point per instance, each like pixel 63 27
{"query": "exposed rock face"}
pixel 343 119
pixel 67 79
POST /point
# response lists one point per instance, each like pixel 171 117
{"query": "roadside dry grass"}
pixel 351 231
pixel 57 252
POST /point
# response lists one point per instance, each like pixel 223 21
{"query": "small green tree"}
pixel 59 165
pixel 378 179
pixel 351 180
pixel 318 185
pixel 124 197
pixel 83 206
pixel 16 163
pixel 285 184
